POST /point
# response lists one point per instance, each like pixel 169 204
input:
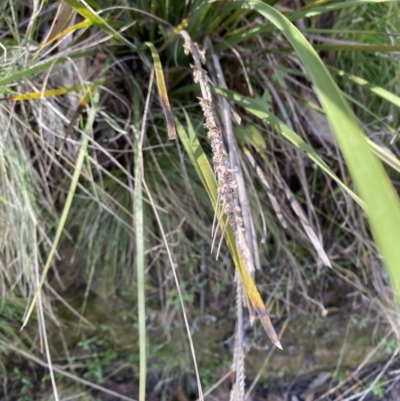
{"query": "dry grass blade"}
pixel 227 189
pixel 63 34
pixel 165 240
pixel 139 234
pixel 47 93
pixel 385 154
pixel 264 181
pixel 380 374
pixel 259 143
pixel 162 91
pixel 82 103
pixel 303 221
pixel 43 331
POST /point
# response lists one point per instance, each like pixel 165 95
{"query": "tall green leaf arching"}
pixel 368 174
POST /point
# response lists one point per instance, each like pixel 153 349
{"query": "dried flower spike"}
pixel 226 184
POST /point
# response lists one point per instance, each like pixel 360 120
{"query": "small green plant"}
pixel 340 374
pixel 378 389
pixel 389 345
pixel 101 356
pixel 312 325
pixel 25 383
pixel 360 323
pixel 208 373
pixel 175 301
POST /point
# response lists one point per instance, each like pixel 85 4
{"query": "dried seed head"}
pixel 201 53
pixel 226 183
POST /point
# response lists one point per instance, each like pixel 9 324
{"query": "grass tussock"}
pixel 110 204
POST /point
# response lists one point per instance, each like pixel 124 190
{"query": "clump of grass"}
pixel 276 95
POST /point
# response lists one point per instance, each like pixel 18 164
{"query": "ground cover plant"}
pixel 185 184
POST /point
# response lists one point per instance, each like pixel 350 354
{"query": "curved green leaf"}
pixel 377 90
pixel 373 184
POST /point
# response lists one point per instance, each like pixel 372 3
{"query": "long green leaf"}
pixel 85 9
pixel 373 184
pixel 244 34
pixel 311 11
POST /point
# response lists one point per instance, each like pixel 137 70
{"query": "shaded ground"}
pixel 359 386
pixel 374 383
pixel 339 357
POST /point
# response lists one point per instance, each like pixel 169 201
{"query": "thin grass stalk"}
pixel 164 237
pixel 139 234
pixel 265 363
pixel 238 389
pixel 42 323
